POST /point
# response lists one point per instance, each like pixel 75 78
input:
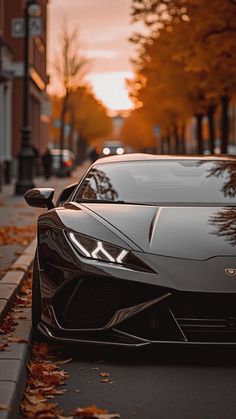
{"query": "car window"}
pixel 184 181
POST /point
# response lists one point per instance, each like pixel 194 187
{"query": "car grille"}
pixel 206 317
pixel 95 301
pixel 182 317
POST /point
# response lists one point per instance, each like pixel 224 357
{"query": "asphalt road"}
pixel 153 383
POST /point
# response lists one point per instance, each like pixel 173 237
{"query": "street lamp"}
pixel 26 156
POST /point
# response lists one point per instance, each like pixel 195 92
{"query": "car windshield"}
pixel 162 182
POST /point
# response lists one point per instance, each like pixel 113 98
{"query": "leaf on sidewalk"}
pixel 8 324
pixel 15 339
pixel 3 347
pixel 11 234
pixel 5 407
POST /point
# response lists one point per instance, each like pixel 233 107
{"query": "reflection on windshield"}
pixel 225 222
pixel 225 169
pixel 98 186
pixel 163 182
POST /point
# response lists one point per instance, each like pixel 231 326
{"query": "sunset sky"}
pixel 104 27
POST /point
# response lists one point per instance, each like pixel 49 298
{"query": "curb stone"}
pixel 13 374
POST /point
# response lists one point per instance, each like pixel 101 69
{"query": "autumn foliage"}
pixel 185 67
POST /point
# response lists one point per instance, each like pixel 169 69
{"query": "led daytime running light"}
pixel 99 250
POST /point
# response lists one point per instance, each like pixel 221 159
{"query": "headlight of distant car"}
pixel 106 151
pixel 97 249
pixel 120 150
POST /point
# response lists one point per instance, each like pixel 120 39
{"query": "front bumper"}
pixel 126 313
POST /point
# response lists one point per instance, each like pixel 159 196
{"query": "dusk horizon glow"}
pixel 103 40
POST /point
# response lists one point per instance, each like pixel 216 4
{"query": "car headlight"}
pixel 106 151
pixel 120 150
pixel 97 249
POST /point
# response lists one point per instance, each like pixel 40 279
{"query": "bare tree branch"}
pixel 218 32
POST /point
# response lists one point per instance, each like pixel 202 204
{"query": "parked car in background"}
pixel 68 161
pixel 111 148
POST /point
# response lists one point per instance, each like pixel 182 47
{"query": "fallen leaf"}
pixel 15 339
pixel 94 412
pixel 63 362
pixel 8 325
pixel 104 374
pixel 5 407
pixel 12 234
pixel 107 381
pixel 3 347
pixel 40 350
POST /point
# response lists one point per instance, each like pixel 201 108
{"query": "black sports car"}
pixel 141 250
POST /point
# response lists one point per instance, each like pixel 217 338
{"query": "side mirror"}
pixel 40 197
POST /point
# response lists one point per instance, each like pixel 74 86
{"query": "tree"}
pixel 70 67
pixel 201 41
pixel 86 116
pixel 137 131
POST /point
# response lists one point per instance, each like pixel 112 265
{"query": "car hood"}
pixel 182 232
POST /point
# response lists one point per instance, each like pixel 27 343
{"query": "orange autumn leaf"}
pixel 5 407
pixel 41 409
pixel 40 350
pixel 17 235
pixel 8 325
pixel 106 381
pixel 104 374
pixel 94 412
pixel 3 347
pixel 36 398
pixel 56 378
pixel 15 339
pixel 88 411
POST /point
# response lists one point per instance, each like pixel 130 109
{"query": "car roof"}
pixel 112 143
pixel 148 157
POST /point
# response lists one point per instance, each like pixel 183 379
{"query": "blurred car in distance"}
pixel 68 161
pixel 111 148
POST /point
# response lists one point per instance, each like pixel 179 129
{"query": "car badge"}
pixel 230 271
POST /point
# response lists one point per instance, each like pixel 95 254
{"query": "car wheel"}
pixel 36 296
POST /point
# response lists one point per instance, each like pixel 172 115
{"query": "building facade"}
pixel 11 83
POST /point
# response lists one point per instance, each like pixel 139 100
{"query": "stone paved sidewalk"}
pixel 15 213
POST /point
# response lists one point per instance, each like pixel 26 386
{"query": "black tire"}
pixel 36 295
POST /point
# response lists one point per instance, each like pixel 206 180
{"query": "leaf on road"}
pixel 63 361
pixel 36 398
pixel 104 374
pixel 94 412
pixel 40 350
pixel 107 381
pixel 41 410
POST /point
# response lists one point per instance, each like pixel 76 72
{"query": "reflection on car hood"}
pixel 182 232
